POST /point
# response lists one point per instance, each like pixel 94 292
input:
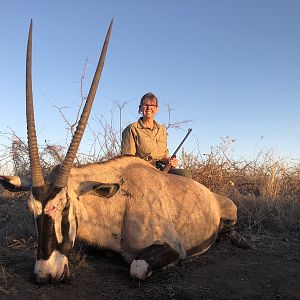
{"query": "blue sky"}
pixel 232 67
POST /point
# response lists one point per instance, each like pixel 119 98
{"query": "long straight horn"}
pixel 64 171
pixel 36 169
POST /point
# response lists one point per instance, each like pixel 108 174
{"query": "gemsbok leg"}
pixel 153 257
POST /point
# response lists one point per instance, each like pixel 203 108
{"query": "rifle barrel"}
pixel 189 131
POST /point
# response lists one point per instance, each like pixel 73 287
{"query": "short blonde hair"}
pixel 150 96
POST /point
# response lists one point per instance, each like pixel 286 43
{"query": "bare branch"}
pixel 178 124
pixel 121 105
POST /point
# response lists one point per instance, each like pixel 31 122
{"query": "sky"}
pixel 231 67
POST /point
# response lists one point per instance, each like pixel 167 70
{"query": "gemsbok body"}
pixel 152 219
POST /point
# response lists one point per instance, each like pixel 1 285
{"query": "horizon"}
pixel 232 68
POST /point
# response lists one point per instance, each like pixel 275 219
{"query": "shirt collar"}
pixel 141 124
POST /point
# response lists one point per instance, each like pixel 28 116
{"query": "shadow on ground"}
pixel 271 271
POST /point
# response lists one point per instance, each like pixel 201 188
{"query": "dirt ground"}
pixel 271 270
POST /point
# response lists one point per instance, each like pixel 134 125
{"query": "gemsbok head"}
pixel 56 234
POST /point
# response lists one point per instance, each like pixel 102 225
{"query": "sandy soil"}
pixel 271 270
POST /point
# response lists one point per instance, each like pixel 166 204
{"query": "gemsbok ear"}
pixel 107 190
pixel 98 189
pixel 15 183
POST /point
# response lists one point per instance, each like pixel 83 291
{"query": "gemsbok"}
pixel 151 218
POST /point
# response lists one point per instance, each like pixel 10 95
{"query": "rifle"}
pixel 168 166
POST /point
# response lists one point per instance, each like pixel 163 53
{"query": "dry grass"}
pixel 4 288
pixel 266 189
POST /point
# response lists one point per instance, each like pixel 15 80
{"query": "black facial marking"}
pixel 66 245
pixel 45 193
pixel 47 241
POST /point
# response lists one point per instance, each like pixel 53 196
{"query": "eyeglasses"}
pixel 149 106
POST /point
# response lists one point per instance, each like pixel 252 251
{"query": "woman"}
pixel 148 139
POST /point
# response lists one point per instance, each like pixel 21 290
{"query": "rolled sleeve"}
pixel 128 145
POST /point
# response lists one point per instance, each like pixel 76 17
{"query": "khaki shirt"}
pixel 150 144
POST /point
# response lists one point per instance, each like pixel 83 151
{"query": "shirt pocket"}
pixel 144 144
pixel 161 145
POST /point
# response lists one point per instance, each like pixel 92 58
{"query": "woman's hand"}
pixel 173 161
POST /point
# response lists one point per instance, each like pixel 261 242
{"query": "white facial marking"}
pixel 72 229
pixel 72 222
pixel 54 266
pixel 57 228
pixel 54 210
pixel 34 205
pixel 57 204
pixel 139 269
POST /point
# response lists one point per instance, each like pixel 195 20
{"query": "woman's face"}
pixel 149 108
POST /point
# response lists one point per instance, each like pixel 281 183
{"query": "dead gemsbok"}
pixel 151 218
